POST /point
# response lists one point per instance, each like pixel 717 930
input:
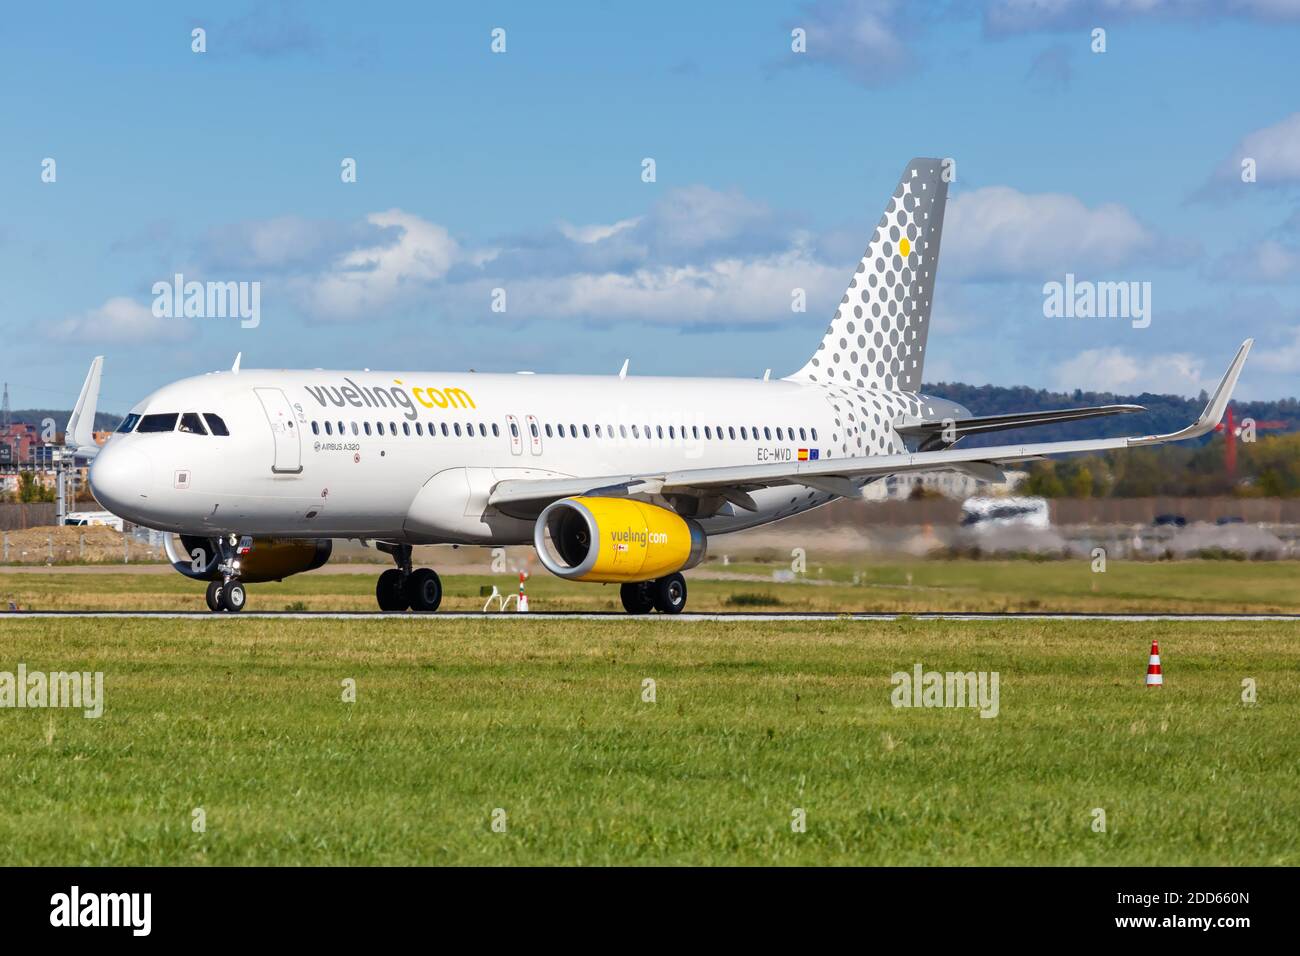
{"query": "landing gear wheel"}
pixel 638 598
pixel 214 597
pixel 389 591
pixel 670 594
pixel 424 590
pixel 233 597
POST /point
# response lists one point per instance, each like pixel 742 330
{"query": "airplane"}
pixel 613 479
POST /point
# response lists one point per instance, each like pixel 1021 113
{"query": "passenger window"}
pixel 457 428
pixel 496 432
pixel 216 424
pixel 744 435
pixel 731 433
pixel 164 422
pixel 707 432
pixel 392 429
pixel 128 423
pixel 315 428
pixel 778 433
pixel 419 429
pixel 329 429
pixel 532 429
pixel 482 430
pixel 622 431
pixel 573 430
pixel 406 429
pixel 514 430
pixel 379 427
pixel 548 432
pixel 365 426
pixel 767 433
pixel 445 430
pixel 597 430
pixel 814 434
pixel 190 424
pixel 803 435
pixel 342 430
pixel 586 433
pixel 635 432
pixel 354 428
pixel 469 429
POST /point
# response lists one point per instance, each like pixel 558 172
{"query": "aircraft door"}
pixel 284 429
pixel 534 434
pixel 516 437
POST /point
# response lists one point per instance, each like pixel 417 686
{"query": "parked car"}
pixel 1170 521
pixel 1230 519
pixel 987 514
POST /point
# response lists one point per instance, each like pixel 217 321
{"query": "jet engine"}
pixel 271 559
pixel 615 540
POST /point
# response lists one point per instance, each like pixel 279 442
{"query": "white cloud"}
pixel 366 282
pixel 998 232
pixel 861 37
pixel 1003 17
pixel 1115 370
pixel 1266 261
pixel 1275 150
pixel 123 321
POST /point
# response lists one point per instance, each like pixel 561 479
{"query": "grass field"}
pixel 545 720
pixel 903 586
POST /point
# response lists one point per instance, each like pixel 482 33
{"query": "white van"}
pixel 987 514
pixel 82 519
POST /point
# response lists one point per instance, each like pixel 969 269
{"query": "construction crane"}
pixel 1231 432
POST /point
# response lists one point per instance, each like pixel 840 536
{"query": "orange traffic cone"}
pixel 1154 676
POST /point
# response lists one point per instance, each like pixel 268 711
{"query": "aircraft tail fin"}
pixel 878 336
pixel 80 433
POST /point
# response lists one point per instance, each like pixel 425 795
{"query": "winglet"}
pixel 80 433
pixel 1214 409
pixel 622 373
pixel 235 368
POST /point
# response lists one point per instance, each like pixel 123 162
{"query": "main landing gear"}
pixel 666 594
pixel 403 588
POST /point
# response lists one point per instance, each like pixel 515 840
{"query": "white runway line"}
pixel 757 617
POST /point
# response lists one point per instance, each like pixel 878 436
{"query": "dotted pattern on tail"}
pixel 877 338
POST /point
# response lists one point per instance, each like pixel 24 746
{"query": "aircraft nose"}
pixel 119 478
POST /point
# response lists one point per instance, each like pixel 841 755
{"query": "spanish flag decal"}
pixel 803 454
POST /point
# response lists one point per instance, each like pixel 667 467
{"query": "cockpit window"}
pixel 164 422
pixel 128 423
pixel 190 422
pixel 216 424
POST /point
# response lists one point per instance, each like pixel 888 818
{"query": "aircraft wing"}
pixel 950 429
pixel 838 475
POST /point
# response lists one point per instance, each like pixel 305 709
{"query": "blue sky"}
pixel 522 171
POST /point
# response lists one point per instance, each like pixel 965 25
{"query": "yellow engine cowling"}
pixel 615 540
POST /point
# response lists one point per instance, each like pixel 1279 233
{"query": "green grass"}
pixel 898 586
pixel 544 719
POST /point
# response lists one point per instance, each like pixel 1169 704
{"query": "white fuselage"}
pixel 412 456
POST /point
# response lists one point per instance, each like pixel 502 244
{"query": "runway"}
pixel 736 617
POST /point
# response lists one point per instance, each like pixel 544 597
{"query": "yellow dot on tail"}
pixel 904 246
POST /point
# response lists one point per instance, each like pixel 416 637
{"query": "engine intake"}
pixel 615 540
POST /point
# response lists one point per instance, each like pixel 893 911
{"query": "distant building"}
pixel 950 484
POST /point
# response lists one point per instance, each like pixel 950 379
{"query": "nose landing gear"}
pixel 666 594
pixel 404 588
pixel 228 594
